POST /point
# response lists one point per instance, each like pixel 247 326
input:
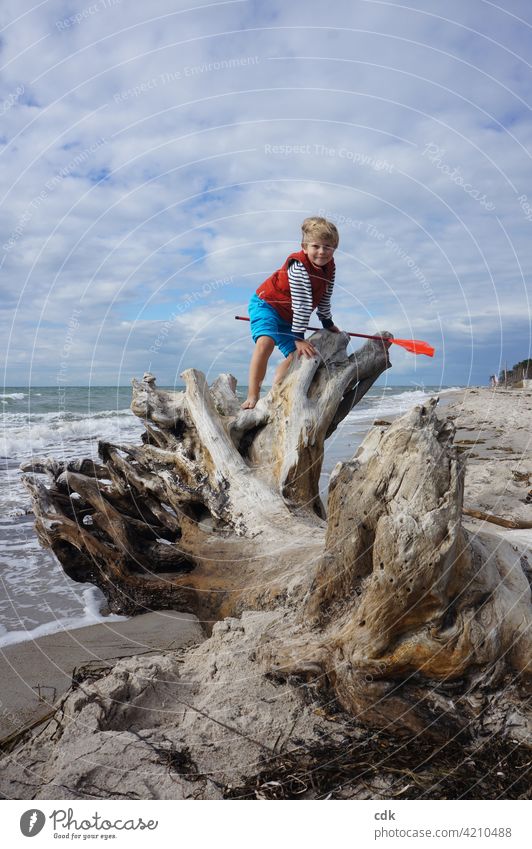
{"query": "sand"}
pixel 494 432
pixel 34 674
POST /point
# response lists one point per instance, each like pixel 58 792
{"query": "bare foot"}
pixel 250 402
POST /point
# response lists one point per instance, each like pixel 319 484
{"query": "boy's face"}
pixel 319 252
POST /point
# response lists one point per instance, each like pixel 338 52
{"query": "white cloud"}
pixel 140 166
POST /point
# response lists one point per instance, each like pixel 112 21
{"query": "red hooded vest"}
pixel 276 289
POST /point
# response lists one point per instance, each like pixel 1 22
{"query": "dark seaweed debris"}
pixel 383 767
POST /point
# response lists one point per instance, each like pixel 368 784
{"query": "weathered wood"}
pixel 387 604
pixel 497 520
pixel 305 409
pixel 401 593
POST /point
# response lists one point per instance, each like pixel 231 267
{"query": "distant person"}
pixel 280 309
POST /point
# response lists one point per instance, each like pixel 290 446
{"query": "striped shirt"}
pixel 301 294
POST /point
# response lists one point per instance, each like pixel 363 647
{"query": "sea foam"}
pixel 92 600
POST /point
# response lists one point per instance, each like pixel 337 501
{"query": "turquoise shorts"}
pixel 266 321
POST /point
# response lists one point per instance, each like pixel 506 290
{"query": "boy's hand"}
pixel 306 348
pixel 334 329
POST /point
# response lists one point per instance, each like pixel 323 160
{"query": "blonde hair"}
pixel 319 228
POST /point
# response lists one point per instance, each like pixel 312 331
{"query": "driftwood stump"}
pixel 386 605
pixel 211 514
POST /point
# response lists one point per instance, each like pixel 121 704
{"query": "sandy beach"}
pixel 36 673
pixel 493 432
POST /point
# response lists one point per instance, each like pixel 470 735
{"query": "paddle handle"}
pixel 414 346
pixel 360 335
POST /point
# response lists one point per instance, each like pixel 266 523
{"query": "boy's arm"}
pixel 324 307
pixel 301 295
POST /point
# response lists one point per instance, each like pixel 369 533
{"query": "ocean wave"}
pixel 59 432
pixel 12 396
pixel 63 416
pixel 92 601
pixel 449 389
pixel 389 405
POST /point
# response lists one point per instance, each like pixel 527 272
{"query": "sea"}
pixel 36 597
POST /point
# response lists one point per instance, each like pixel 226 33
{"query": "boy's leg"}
pixel 287 346
pixel 257 369
pixel 282 368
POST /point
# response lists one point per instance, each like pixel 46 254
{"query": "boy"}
pixel 280 308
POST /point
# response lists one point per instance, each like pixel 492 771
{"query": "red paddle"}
pixel 415 346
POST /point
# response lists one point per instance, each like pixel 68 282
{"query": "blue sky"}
pixel 158 160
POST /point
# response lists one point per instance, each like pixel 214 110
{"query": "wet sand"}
pixel 34 674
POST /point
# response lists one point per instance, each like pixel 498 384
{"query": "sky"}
pixel 158 160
